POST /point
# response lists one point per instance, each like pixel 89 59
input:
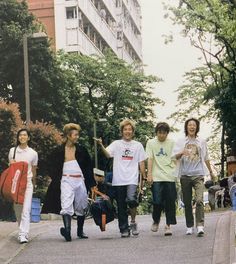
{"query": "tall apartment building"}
pixel 90 26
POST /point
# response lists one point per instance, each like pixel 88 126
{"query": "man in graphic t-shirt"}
pixel 161 177
pixel 128 157
pixel 192 155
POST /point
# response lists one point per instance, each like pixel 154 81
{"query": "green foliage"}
pixel 145 207
pixel 44 139
pixel 109 88
pixel 10 121
pixel 210 90
pixel 46 78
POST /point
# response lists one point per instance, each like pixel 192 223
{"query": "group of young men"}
pixel 72 177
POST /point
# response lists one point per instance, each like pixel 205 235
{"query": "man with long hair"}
pixel 194 164
pixel 71 172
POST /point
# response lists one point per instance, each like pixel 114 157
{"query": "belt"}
pixel 74 176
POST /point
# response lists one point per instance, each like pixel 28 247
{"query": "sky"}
pixel 167 61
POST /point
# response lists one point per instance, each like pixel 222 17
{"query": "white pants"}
pixel 74 198
pixel 24 225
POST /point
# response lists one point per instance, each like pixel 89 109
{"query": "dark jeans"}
pixel 164 198
pixel 188 183
pixel 125 196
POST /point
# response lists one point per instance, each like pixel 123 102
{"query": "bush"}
pixel 10 122
pixel 44 138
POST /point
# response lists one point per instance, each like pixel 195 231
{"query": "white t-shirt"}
pixel 194 165
pixel 127 155
pixel 28 155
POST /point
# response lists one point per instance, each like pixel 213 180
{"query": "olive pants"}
pixel 188 183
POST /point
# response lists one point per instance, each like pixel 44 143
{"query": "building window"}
pixel 71 12
pixel 118 3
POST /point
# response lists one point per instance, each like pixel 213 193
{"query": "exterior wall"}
pixel 44 11
pixel 90 26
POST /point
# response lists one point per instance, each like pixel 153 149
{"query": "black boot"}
pixel 65 231
pixel 80 225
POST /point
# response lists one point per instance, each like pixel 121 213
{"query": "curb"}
pixel 10 242
pixel 232 238
pixel 224 244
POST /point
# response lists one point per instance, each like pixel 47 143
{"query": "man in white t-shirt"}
pixel 24 153
pixel 128 157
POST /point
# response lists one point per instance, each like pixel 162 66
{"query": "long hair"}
pixel 186 125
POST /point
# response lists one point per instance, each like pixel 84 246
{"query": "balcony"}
pixel 135 15
pixel 77 40
pixel 111 6
pixel 135 41
pixel 98 23
pixel 126 57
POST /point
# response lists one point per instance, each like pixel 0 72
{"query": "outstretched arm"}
pixel 105 152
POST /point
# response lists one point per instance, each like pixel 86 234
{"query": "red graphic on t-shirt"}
pixel 127 155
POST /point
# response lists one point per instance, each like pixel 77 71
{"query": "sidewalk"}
pixel 9 248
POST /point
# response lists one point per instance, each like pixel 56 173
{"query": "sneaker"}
pixel 125 233
pixel 200 231
pixel 189 231
pixel 168 231
pixel 23 239
pixel 134 229
pixel 154 227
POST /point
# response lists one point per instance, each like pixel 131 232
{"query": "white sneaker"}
pixel 189 231
pixel 168 231
pixel 23 239
pixel 154 227
pixel 200 230
pixel 134 229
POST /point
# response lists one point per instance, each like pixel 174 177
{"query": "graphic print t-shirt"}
pixel 191 164
pixel 127 155
pixel 163 165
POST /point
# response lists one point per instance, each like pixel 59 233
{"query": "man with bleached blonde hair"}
pixel 72 176
pixel 128 157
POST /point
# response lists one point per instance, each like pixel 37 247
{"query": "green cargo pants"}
pixel 188 183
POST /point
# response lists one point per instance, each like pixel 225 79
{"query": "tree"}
pixel 47 80
pixel 211 27
pixel 109 88
pixel 44 138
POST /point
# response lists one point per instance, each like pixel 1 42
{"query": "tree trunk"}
pixel 222 146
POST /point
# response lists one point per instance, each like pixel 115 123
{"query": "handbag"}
pixel 13 182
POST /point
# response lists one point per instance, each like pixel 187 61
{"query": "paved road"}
pixel 47 246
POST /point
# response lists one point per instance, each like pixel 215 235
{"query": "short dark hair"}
pixel 162 126
pixel 18 134
pixel 186 125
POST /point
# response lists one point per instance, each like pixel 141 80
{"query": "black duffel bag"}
pixel 102 212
